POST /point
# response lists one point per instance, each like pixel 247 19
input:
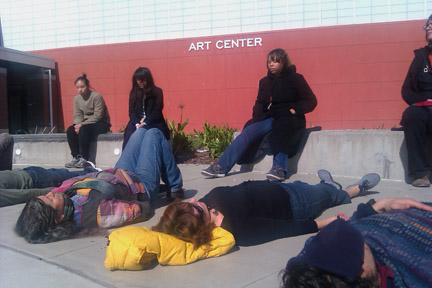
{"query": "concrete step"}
pixel 351 153
pixel 53 150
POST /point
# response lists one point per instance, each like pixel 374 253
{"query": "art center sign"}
pixel 225 44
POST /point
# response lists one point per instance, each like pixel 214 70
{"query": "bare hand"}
pixel 77 127
pixel 324 222
pixel 391 204
pixel 292 111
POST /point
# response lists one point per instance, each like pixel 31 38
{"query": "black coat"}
pixel 417 86
pixel 283 92
pixel 153 106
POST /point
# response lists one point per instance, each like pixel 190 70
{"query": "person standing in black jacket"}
pixel 417 118
pixel 145 105
pixel 284 97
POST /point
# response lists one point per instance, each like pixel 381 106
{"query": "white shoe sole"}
pixel 205 173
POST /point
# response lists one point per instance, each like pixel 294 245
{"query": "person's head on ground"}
pixel 336 257
pixel 82 85
pixel 142 79
pixel 278 61
pixel 46 218
pixel 428 28
pixel 189 221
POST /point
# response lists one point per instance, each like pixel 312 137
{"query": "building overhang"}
pixel 27 58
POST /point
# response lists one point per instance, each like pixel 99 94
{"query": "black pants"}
pixel 6 151
pixel 417 122
pixel 79 144
pixel 130 128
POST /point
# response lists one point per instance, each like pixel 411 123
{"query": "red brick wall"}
pixel 356 71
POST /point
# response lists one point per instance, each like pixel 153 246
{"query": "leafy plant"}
pixel 215 138
pixel 182 142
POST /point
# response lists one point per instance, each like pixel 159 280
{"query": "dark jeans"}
pixel 79 144
pixel 52 177
pixel 6 151
pixel 241 143
pixel 417 122
pixel 310 201
pixel 148 155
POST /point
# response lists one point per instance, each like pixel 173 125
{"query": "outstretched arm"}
pixel 387 205
pixel 391 204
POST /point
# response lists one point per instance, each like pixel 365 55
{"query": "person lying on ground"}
pixel 256 212
pixel 106 199
pixel 386 243
pixel 19 185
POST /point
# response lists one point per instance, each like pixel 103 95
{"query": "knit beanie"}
pixel 337 249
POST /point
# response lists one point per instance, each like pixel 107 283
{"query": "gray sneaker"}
pixel 213 171
pixel 72 163
pixel 366 182
pixel 276 174
pixel 326 177
pixel 81 163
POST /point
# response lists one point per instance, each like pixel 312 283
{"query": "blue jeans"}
pixel 148 155
pixel 310 201
pixel 52 177
pixel 251 133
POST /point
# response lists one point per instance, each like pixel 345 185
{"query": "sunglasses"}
pixel 199 209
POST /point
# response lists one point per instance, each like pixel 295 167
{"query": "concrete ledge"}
pixel 350 153
pixel 343 152
pixel 53 150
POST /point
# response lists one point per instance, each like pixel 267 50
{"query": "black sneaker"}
pixel 213 171
pixel 72 163
pixel 326 177
pixel 91 167
pixel 366 182
pixel 276 174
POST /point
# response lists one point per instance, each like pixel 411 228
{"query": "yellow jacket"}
pixel 133 248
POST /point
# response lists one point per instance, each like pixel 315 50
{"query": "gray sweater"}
pixel 90 109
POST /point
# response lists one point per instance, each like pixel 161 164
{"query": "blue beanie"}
pixel 338 249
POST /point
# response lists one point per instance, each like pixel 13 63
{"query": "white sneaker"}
pixel 72 163
pixel 91 165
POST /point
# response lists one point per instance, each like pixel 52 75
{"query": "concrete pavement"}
pixel 79 262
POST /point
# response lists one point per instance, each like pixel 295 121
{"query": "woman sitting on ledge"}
pixel 284 97
pixel 91 118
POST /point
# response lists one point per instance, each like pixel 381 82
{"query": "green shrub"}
pixel 182 142
pixel 215 138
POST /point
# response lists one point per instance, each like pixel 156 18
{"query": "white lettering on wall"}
pixel 227 44
pixel 200 46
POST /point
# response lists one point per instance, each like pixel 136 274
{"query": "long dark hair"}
pixel 136 93
pixel 179 220
pixel 37 223
pixel 299 275
pixel 279 55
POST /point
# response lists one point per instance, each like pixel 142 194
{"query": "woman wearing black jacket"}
pixel 284 97
pixel 145 105
pixel 417 118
